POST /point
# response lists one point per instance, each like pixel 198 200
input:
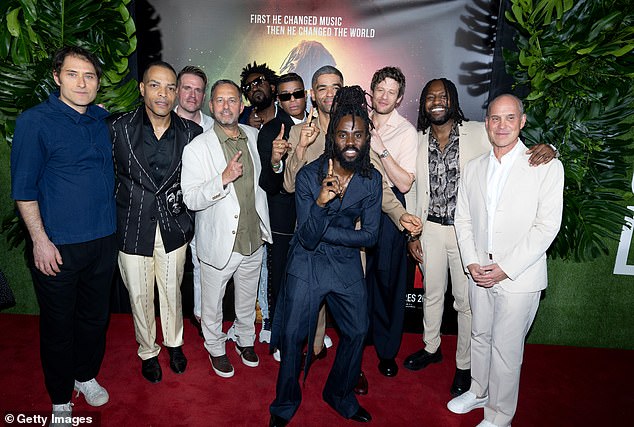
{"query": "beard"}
pixel 262 102
pixel 355 164
pixel 438 120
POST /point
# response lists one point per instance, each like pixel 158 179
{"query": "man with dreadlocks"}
pixel 446 142
pixel 258 83
pixel 324 262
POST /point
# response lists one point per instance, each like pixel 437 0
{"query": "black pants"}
pixel 74 314
pixel 386 267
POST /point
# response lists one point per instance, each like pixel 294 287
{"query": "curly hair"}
pixel 254 68
pixel 393 73
pixel 348 101
pixel 455 113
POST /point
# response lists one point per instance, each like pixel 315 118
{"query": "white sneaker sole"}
pixel 220 373
pixel 458 407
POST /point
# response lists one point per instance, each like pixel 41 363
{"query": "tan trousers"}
pixel 245 271
pixel 441 253
pixel 501 321
pixel 139 273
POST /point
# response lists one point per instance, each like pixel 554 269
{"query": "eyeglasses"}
pixel 298 94
pixel 248 87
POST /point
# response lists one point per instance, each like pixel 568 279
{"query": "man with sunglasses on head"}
pixel 258 83
pixel 273 147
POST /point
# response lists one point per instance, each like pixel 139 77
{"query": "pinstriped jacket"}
pixel 143 203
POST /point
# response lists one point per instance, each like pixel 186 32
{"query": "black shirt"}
pixel 158 152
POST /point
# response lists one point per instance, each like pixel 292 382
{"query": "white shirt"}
pixel 497 174
pixel 205 121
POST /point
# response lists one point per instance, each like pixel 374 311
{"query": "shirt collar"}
pixel 93 112
pixel 222 135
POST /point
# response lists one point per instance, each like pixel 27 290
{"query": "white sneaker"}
pixel 485 423
pixel 277 355
pixel 95 394
pixel 265 336
pixel 62 415
pixel 327 341
pixel 231 333
pixel 466 403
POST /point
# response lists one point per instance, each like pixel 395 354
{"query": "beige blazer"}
pixel 473 142
pixel 217 208
pixel 527 219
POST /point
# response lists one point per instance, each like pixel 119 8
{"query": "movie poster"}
pixel 425 38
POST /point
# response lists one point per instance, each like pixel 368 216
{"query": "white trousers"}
pixel 440 254
pixel 245 271
pixel 500 323
pixel 139 273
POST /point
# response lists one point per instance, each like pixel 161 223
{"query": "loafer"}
pixel 151 370
pixel 178 361
pixel 361 416
pixel 221 366
pixel 461 382
pixel 248 356
pixel 362 385
pixel 388 367
pixel 421 359
pixel 276 421
pixel 466 402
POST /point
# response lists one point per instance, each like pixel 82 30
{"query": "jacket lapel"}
pixel 134 136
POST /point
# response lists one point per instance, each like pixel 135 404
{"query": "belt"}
pixel 440 220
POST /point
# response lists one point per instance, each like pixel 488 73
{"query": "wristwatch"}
pixel 384 154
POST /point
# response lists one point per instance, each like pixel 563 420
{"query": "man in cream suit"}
pixel 507 215
pixel 221 169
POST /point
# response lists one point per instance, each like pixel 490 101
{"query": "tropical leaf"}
pixel 576 60
pixel 32 30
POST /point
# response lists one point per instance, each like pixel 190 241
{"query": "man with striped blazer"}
pixel 153 225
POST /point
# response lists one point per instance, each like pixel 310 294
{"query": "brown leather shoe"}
pixel 362 385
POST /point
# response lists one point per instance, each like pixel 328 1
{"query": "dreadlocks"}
pixel 455 113
pixel 269 75
pixel 348 101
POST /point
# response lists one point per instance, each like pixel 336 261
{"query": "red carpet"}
pixel 561 386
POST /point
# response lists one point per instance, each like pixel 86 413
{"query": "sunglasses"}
pixel 298 94
pixel 248 87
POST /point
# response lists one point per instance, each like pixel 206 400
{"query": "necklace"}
pixel 344 186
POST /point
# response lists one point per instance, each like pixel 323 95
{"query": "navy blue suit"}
pixel 324 263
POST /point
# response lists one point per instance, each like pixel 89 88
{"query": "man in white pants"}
pixel 220 177
pixel 507 215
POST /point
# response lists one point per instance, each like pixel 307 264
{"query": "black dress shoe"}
pixel 362 385
pixel 421 359
pixel 151 369
pixel 178 361
pixel 388 367
pixel 361 416
pixel 461 382
pixel 277 421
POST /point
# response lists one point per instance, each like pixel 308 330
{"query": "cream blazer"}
pixel 527 219
pixel 217 208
